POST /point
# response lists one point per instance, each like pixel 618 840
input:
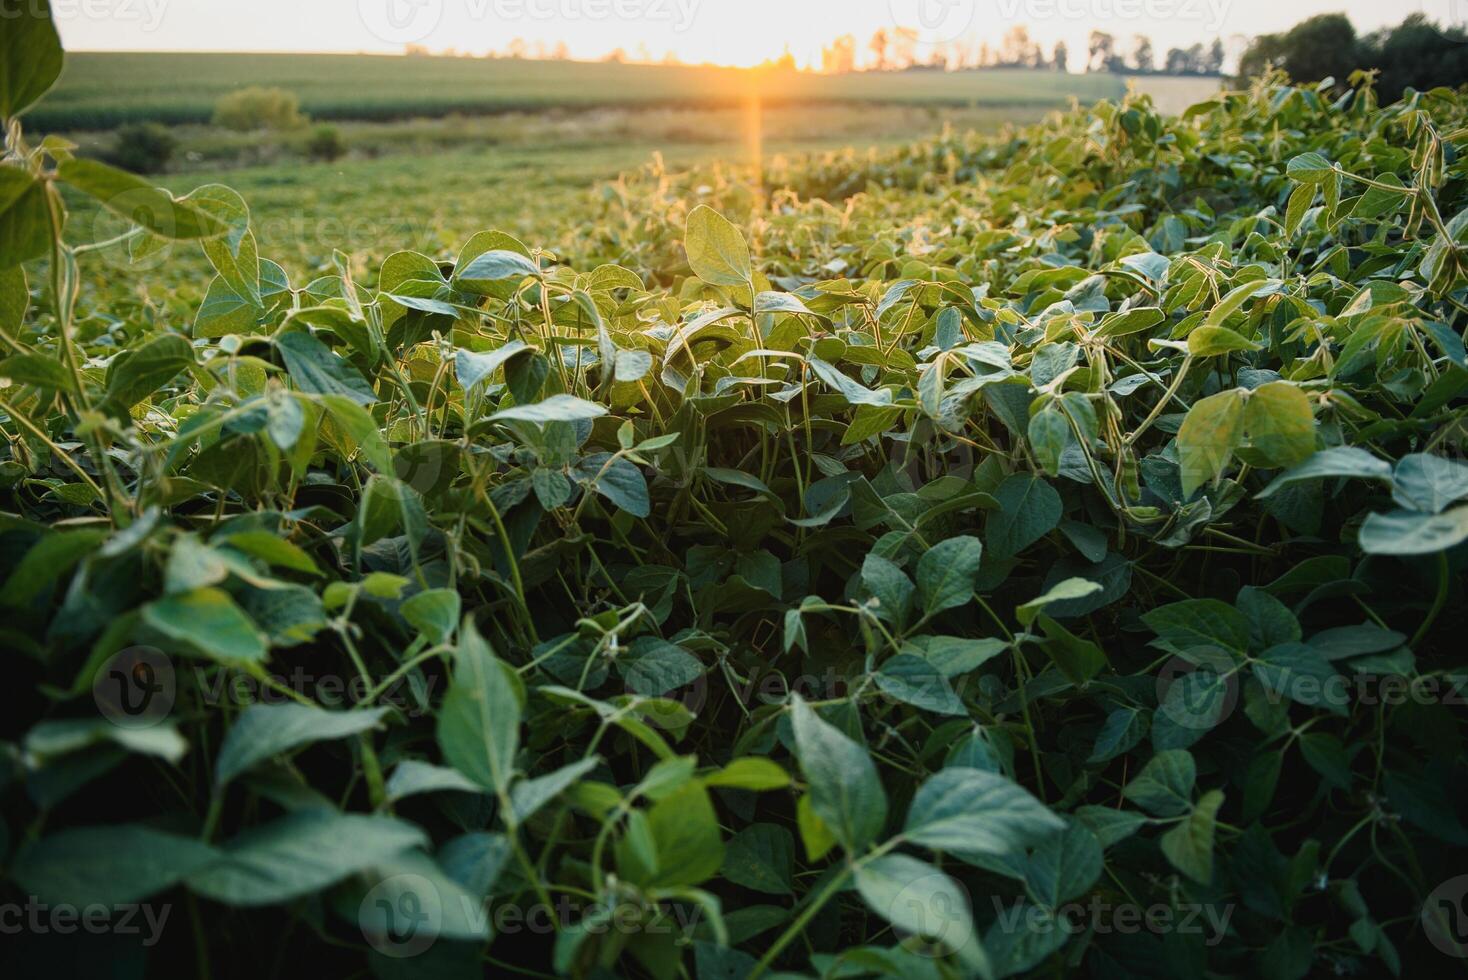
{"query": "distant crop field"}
pixel 103 90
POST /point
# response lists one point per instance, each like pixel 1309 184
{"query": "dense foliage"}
pixel 1417 53
pixel 1007 556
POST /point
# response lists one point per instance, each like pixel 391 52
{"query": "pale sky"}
pixel 721 31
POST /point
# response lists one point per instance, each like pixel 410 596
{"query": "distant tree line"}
pixel 899 50
pixel 1417 53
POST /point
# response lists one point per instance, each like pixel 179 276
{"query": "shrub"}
pixel 258 108
pixel 143 148
pixel 326 144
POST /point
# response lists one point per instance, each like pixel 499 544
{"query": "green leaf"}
pixel 685 830
pixel 234 255
pixel 301 854
pixel 316 369
pixel 920 900
pixel 40 370
pixel 208 622
pixel 853 391
pixel 49 740
pixel 1193 624
pixel 45 562
pixel 1123 731
pixel 434 613
pixel 15 298
pixel 1079 660
pixel 557 408
pixel 761 858
pixel 1428 483
pixel 271 549
pixel 653 667
pixel 1213 429
pixel 25 219
pixel 531 795
pixel 134 199
pixel 224 312
pixel 1164 787
pixel 889 585
pixel 1405 532
pixel 114 865
pixel 473 369
pixel 1297 672
pixel 751 773
pixel 913 680
pixel 1338 461
pixel 1280 423
pixel 494 266
pixel 137 373
pixel 717 251
pixel 1129 322
pixel 1071 588
pixel 1216 341
pixel 1309 168
pixel 266 730
pixel 1232 303
pixel 1297 207
pixel 1064 866
pixel 412 778
pixel 30 57
pixel 947 574
pixel 845 791
pixel 972 812
pixel 1049 435
pixel 1029 509
pixel 617 479
pixel 1189 845
pixel 359 425
pixel 955 655
pixel 479 723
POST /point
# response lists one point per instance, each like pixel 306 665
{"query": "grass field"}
pixel 432 188
pixel 102 90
